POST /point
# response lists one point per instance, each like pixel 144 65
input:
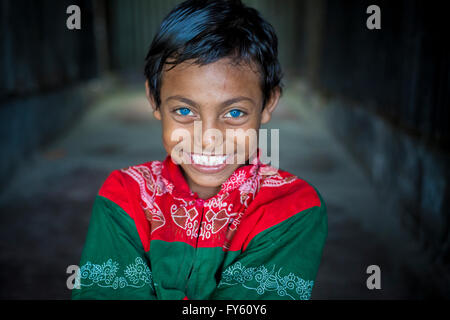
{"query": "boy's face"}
pixel 199 104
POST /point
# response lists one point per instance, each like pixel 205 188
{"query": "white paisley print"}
pixel 262 280
pixel 106 275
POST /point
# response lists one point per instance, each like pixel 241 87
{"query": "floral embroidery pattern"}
pixel 277 180
pixel 142 176
pixel 249 188
pixel 261 280
pixel 235 180
pixel 135 275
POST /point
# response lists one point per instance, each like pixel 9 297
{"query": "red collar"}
pixel 173 173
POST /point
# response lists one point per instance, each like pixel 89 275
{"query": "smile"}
pixel 207 164
pixel 208 160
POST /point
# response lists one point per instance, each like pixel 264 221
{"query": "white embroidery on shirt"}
pixel 262 280
pixel 105 275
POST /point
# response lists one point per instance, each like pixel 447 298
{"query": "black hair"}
pixel 209 30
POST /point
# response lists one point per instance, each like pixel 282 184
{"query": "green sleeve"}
pixel 113 263
pixel 280 262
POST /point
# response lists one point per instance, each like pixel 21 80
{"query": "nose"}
pixel 208 138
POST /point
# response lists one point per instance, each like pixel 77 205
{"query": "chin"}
pixel 209 180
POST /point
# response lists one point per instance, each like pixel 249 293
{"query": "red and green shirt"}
pixel 150 237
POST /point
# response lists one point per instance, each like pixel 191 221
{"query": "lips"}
pixel 208 163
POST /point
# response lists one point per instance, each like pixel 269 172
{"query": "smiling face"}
pixel 200 105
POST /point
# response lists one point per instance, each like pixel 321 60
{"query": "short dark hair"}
pixel 209 30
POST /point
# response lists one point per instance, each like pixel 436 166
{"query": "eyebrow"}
pixel 225 103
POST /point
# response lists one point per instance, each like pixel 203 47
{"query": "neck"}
pixel 203 192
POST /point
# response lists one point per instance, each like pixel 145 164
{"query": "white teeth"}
pixel 204 160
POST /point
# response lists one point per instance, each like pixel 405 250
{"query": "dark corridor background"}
pixel 364 118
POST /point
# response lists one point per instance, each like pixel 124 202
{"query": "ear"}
pixel 271 104
pixel 151 100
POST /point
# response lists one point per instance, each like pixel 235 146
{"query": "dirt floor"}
pixel 45 210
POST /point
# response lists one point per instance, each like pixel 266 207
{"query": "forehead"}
pixel 222 79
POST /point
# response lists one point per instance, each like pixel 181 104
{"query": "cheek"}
pixel 168 135
pixel 175 135
pixel 244 142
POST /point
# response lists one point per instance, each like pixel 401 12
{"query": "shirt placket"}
pixel 199 205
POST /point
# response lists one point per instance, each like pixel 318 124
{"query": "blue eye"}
pixel 235 113
pixel 183 111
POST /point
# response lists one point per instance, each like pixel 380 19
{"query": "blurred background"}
pixel 364 118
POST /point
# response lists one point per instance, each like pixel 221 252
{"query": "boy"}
pixel 202 224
